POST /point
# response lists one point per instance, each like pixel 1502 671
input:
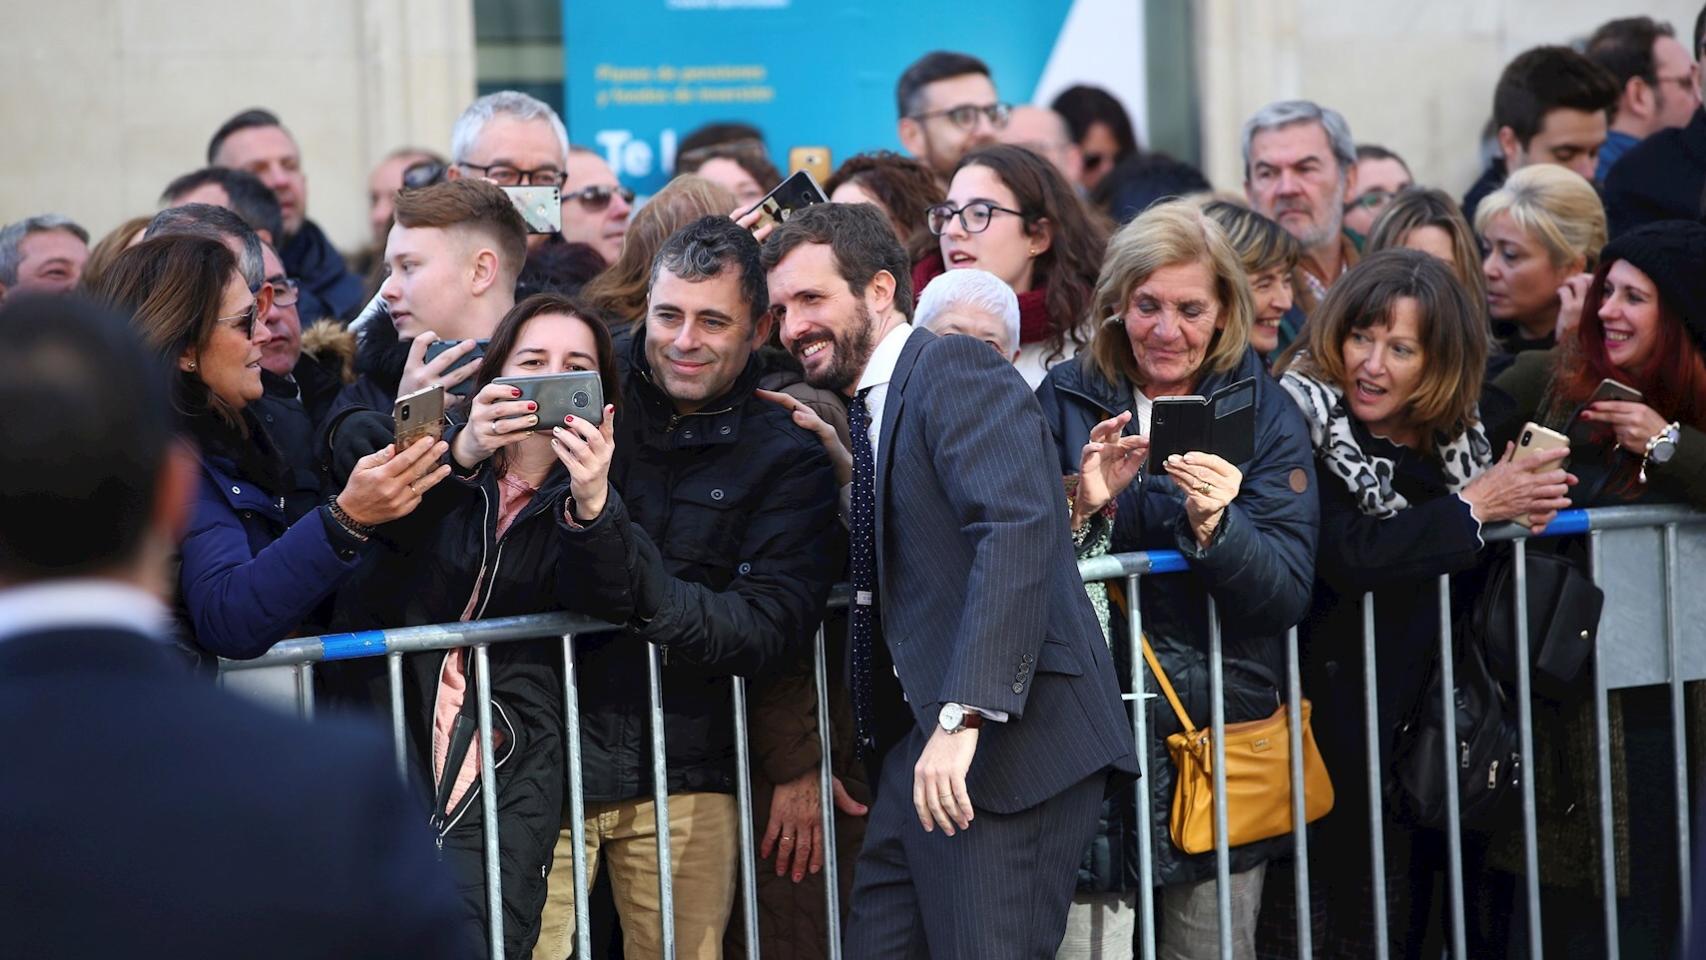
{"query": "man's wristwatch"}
pixel 1661 448
pixel 955 718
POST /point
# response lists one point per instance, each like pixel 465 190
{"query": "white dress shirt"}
pixel 81 602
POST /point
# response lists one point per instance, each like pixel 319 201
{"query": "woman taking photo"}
pixel 1643 325
pixel 486 544
pixel 1011 213
pixel 1388 378
pixel 1178 314
pixel 1269 255
pixel 250 574
pixel 1541 230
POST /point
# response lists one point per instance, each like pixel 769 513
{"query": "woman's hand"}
pixel 496 420
pixel 1106 466
pixel 1633 423
pixel 807 418
pixel 1209 483
pixel 746 218
pixel 386 484
pixel 1535 488
pixel 1570 297
pixel 418 374
pixel 586 450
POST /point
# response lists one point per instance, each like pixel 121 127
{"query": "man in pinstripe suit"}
pixel 984 808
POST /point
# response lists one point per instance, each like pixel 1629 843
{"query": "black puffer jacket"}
pixel 440 555
pixel 715 545
pixel 1259 569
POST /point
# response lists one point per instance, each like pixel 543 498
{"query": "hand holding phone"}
pixel 442 370
pixel 464 358
pixel 1529 485
pixel 419 414
pixel 790 196
pixel 577 393
pixel 498 416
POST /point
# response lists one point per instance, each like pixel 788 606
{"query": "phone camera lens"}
pixel 1527 437
pixel 405 411
pixel 581 399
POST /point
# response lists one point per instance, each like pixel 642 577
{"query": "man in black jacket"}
pixel 149 814
pixel 710 541
pixel 1664 176
pixel 256 141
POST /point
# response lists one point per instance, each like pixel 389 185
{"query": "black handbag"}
pixel 1487 752
pixel 1563 619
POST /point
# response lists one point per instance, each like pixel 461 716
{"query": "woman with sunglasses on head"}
pixel 251 574
pixel 1011 213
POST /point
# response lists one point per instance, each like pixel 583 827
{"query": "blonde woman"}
pixel 1541 232
pixel 1176 312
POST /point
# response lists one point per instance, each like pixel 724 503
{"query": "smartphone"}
pixel 1223 423
pixel 1610 389
pixel 437 347
pixel 795 193
pixel 541 207
pixel 420 414
pixel 1533 440
pixel 578 393
pixel 813 160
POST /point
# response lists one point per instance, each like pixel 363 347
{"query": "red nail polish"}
pixel 532 406
pixel 568 419
pixel 515 391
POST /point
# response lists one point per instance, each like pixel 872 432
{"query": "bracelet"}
pixel 360 531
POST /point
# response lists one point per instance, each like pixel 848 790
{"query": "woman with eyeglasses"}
pixel 1010 212
pixel 250 574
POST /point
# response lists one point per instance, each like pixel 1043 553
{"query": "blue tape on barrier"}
pixel 1167 561
pixel 347 646
pixel 1568 522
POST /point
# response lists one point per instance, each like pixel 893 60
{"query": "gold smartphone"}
pixel 420 414
pixel 814 160
pixel 1534 440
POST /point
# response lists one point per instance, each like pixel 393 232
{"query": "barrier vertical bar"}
pixel 660 806
pixel 305 690
pixel 489 802
pixel 1453 831
pixel 1140 727
pixel 399 733
pixel 826 799
pixel 1602 740
pixel 577 799
pixel 1525 730
pixel 743 800
pixel 1678 728
pixel 1376 795
pixel 1299 809
pixel 1217 724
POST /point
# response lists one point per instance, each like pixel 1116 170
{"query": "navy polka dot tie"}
pixel 862 540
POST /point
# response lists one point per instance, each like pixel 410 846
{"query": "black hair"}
pixel 704 248
pixel 859 237
pixel 1624 47
pixel 558 267
pixel 250 198
pixel 1546 79
pixel 719 132
pixel 246 120
pixel 1085 106
pixel 933 66
pixel 85 501
pixel 1142 180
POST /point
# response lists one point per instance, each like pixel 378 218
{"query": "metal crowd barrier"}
pixel 1614 668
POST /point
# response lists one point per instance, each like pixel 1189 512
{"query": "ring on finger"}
pixel 1204 488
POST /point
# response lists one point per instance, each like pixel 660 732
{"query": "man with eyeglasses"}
pixel 948 106
pixel 1655 77
pixel 1664 176
pixel 514 140
pixel 256 141
pixel 1380 175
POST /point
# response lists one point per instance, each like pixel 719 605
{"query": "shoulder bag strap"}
pixel 1167 688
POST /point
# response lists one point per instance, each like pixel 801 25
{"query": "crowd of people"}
pixel 897 389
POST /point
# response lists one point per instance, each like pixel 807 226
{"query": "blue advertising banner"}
pixel 642 73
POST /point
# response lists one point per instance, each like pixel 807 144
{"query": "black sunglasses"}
pixel 597 198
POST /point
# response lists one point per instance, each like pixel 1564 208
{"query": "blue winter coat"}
pixel 248 578
pixel 1260 570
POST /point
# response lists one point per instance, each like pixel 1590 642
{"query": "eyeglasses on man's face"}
pixel 965 115
pixel 505 175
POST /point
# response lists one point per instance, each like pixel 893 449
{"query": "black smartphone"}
pixel 795 193
pixel 578 393
pixel 437 347
pixel 1223 423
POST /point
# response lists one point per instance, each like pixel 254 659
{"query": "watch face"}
pixel 1663 451
pixel 952 716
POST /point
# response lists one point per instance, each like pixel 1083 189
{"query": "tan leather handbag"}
pixel 1258 776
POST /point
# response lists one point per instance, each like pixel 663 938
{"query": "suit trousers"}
pixel 999 890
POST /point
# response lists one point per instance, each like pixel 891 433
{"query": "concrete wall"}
pixel 1416 78
pixel 102 102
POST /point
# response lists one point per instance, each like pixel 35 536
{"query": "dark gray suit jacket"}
pixel 979 592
